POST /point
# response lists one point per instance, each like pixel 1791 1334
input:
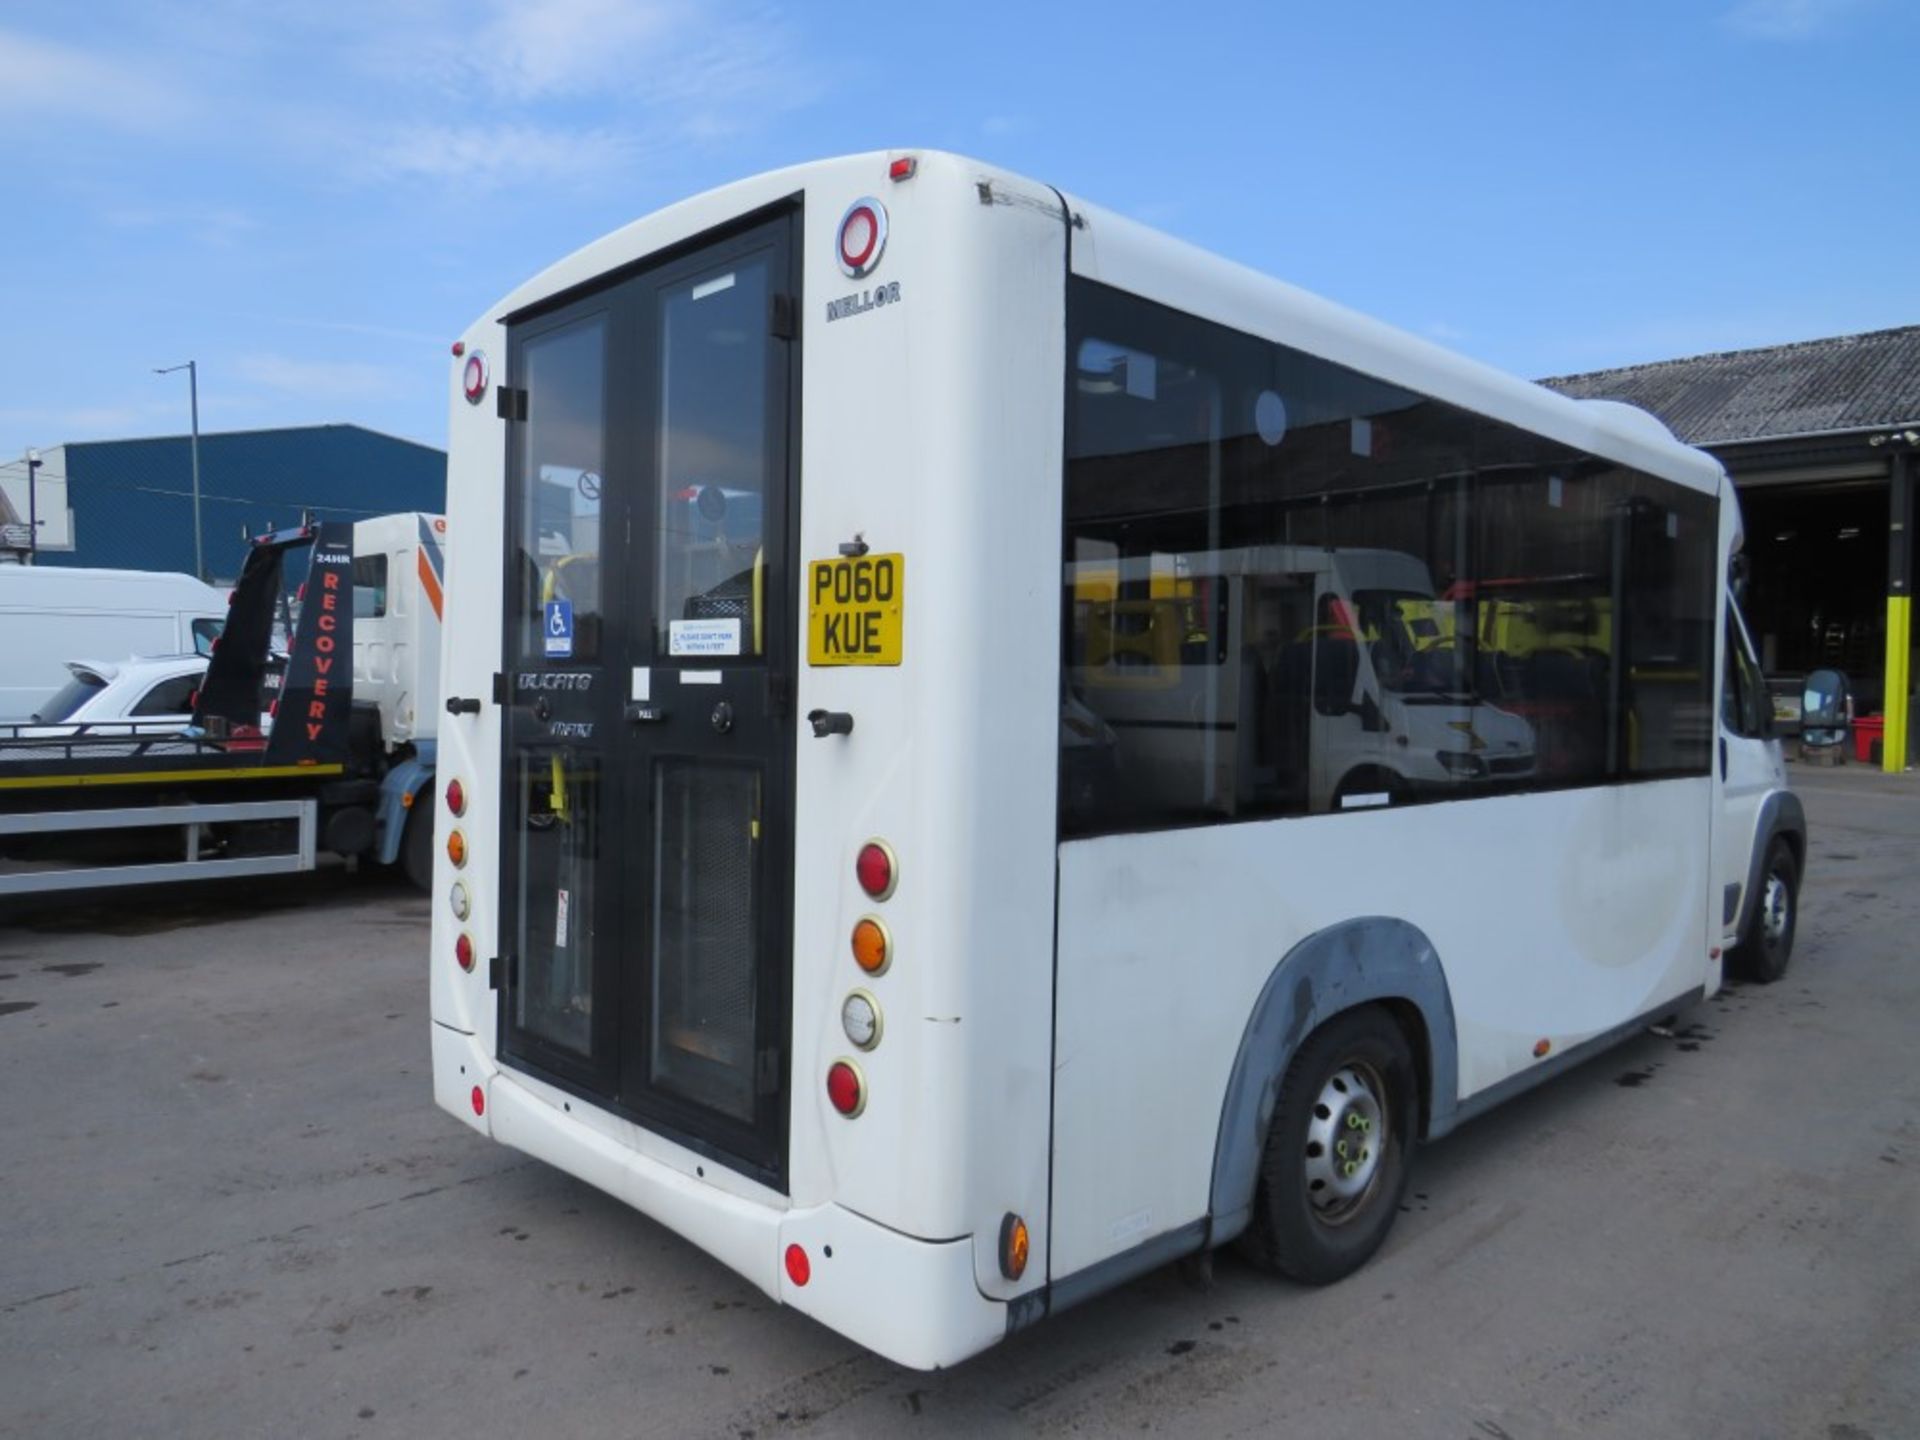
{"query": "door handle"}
pixel 829 722
pixel 1723 759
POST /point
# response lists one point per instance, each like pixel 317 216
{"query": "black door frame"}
pixel 760 690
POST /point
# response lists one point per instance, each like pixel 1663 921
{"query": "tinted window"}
pixel 1745 704
pixel 169 697
pixel 560 467
pixel 369 587
pixel 1292 588
pixel 70 697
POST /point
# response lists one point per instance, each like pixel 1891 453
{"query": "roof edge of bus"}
pixel 617 247
pixel 1136 257
pixel 1338 332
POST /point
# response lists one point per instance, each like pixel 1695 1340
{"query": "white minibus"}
pixel 982 758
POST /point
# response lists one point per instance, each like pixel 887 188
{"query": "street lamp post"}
pixel 193 393
pixel 33 507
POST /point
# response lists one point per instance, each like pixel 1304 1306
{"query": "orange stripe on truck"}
pixel 429 581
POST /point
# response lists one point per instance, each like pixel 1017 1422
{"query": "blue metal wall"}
pixel 132 499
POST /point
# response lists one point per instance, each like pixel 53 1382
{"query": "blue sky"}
pixel 311 201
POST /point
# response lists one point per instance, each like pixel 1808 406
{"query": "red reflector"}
pixel 463 952
pixel 799 1268
pixel 903 168
pixel 473 376
pixel 844 1088
pixel 874 869
pixel 456 797
pixel 479 1101
pixel 858 237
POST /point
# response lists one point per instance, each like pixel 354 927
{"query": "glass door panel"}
pixel 712 460
pixel 559 992
pixel 559 823
pixel 705 919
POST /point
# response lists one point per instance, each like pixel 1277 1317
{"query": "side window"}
pixel 369 587
pixel 1745 707
pixel 169 697
pixel 1289 587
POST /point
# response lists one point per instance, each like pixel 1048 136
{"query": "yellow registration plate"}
pixel 854 608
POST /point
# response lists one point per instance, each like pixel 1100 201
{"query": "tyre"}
pixel 1767 946
pixel 1337 1151
pixel 416 845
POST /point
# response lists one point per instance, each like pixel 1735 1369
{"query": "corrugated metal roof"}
pixel 1848 382
pixel 133 506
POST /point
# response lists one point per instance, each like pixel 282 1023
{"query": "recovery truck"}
pixel 347 746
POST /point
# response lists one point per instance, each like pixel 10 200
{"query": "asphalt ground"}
pixel 231 1209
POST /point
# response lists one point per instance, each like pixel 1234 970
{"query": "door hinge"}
pixel 510 402
pixel 783 318
pixel 766 1071
pixel 499 688
pixel 502 969
pixel 779 696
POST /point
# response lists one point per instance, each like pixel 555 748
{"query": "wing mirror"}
pixel 1826 708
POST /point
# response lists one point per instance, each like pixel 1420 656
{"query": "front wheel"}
pixel 1337 1152
pixel 1767 947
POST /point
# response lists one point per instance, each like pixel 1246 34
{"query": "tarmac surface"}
pixel 231 1209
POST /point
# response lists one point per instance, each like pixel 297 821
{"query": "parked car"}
pixel 49 613
pixel 147 695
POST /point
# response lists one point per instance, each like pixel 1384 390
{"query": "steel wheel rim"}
pixel 1347 1138
pixel 1776 909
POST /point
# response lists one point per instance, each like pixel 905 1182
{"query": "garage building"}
pixel 1822 439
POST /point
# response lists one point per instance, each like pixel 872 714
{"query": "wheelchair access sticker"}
pixel 559 629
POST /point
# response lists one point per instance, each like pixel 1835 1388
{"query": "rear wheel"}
pixel 416 845
pixel 1767 947
pixel 1337 1151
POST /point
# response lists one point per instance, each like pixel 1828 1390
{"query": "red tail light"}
pixel 463 952
pixel 876 869
pixel 456 797
pixel 799 1268
pixel 846 1089
pixel 479 1101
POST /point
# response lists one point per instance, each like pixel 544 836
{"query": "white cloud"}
pixel 1785 19
pixel 41 78
pixel 214 224
pixel 486 156
pixel 560 48
pixel 316 379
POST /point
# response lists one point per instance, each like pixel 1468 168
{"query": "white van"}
pixel 1325 665
pixel 50 613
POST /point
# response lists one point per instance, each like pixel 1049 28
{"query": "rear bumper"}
pixel 914 1301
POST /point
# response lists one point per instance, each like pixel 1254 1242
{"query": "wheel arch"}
pixel 1782 816
pixel 1372 960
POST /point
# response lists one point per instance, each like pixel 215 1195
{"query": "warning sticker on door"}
pixel 560 922
pixel 703 637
